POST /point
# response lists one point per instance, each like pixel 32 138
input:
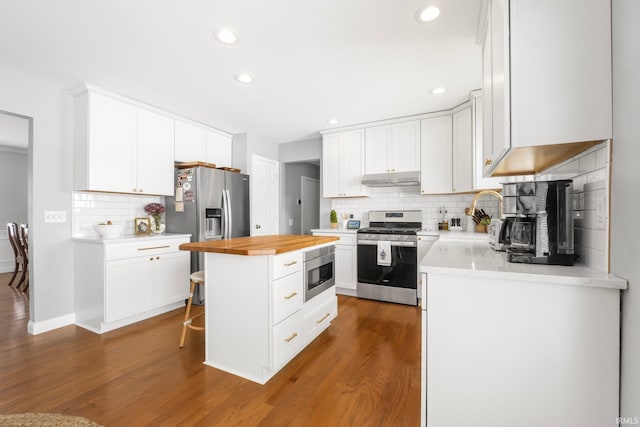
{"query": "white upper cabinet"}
pixel 218 149
pixel 121 147
pixel 462 176
pixel 155 153
pixel 190 142
pixel 480 182
pixel 436 155
pixel 343 164
pixel 392 148
pixel 546 81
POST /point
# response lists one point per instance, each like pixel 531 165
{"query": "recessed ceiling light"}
pixel 244 78
pixel 332 121
pixel 428 14
pixel 438 90
pixel 226 36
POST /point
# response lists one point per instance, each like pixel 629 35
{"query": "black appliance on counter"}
pixel 541 230
pixel 396 282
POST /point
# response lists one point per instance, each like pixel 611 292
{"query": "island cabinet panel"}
pixel 119 282
pixel 256 317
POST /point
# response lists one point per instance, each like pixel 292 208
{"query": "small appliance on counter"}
pixel 500 233
pixel 541 230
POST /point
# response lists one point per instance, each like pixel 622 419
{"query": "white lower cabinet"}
pixel 256 316
pixel 120 282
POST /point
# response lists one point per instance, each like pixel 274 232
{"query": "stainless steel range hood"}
pixel 391 179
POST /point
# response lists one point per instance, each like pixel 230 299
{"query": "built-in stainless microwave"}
pixel 319 271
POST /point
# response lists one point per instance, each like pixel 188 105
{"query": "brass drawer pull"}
pixel 289 264
pixel 154 247
pixel 487 162
pixel 293 294
pixel 323 317
pixel 295 334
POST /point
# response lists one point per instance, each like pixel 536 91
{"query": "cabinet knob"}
pixel 151 259
pixel 157 257
pixel 135 190
pixel 140 190
pixel 487 162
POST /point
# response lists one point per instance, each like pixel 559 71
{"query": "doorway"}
pixel 14 148
pixel 310 204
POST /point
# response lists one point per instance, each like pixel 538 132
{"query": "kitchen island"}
pixel 517 344
pixel 256 319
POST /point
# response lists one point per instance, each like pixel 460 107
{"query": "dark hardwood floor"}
pixel 363 371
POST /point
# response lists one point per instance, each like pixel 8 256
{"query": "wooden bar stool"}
pixel 197 278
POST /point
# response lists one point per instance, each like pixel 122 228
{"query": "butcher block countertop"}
pixel 258 245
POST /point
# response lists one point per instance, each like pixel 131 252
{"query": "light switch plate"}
pixel 55 216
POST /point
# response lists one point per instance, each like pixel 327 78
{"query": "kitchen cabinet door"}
pixel 111 145
pixel 462 178
pixel 218 149
pixel 190 142
pixel 343 164
pixel 404 150
pixel 171 278
pixel 436 155
pixel 376 149
pixel 352 163
pixel 480 182
pixel 128 287
pixel 155 153
pixel 346 267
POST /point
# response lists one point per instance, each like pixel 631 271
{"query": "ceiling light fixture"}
pixel 438 90
pixel 226 36
pixel 428 14
pixel 332 121
pixel 244 78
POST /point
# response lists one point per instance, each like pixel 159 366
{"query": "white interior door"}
pixel 310 206
pixel 264 196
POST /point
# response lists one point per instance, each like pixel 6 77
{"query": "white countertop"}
pixel 478 259
pixel 129 238
pixel 334 231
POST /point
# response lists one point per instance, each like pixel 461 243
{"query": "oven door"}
pixel 319 275
pixel 402 272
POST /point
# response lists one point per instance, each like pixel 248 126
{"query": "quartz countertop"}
pixel 478 259
pixel 259 245
pixel 128 238
pixel 334 230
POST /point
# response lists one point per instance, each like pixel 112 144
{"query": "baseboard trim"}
pixel 35 328
pixel 7 266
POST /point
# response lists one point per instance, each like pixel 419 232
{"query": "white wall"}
pixel 625 182
pixel 50 165
pixel 13 196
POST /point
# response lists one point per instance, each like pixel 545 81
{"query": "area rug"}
pixel 45 420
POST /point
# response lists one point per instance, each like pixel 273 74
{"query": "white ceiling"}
pixel 356 60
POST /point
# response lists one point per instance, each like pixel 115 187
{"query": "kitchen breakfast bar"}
pixel 259 310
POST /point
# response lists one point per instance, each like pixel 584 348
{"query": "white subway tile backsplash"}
pixel 90 209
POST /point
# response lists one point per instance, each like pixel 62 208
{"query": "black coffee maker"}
pixel 542 228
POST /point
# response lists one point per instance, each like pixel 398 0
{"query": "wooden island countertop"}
pixel 258 245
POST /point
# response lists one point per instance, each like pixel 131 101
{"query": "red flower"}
pixel 154 209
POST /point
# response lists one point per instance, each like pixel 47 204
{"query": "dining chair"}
pixel 24 235
pixel 20 261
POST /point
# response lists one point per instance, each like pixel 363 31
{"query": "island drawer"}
pixel 317 320
pixel 150 247
pixel 286 263
pixel 287 340
pixel 287 296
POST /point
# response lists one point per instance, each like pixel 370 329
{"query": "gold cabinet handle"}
pixel 154 247
pixel 289 264
pixel 293 335
pixel 487 162
pixel 323 317
pixel 293 294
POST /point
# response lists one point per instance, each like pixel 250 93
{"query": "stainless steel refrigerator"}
pixel 210 204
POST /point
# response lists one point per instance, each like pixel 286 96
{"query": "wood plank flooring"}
pixel 363 371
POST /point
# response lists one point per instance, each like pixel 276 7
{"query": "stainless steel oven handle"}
pixel 375 243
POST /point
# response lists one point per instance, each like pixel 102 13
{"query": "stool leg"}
pixel 187 313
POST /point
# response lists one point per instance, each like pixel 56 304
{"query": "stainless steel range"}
pixel 388 257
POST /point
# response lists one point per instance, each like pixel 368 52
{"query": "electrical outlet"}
pixel 55 216
pixel 601 208
pixel 290 222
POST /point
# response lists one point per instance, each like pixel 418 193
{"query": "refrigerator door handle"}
pixel 225 217
pixel 229 214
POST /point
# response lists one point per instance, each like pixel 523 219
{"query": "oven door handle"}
pixel 375 243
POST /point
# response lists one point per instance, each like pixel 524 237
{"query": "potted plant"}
pixel 333 216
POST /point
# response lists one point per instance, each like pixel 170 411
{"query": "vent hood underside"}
pixel 391 179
